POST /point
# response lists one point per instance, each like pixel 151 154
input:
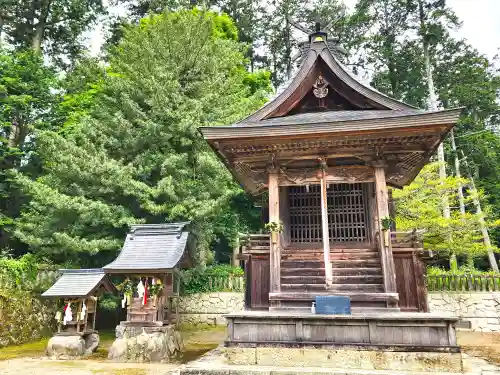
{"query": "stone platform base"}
pixel 346 359
pixel 145 344
pixel 66 346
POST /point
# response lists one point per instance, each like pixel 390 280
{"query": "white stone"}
pixel 64 347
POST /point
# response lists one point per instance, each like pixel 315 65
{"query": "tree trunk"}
pixel 484 229
pixel 2 22
pixel 38 37
pixel 236 250
pixel 461 199
pixel 14 134
pixel 432 101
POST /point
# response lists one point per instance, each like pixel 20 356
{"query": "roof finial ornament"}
pixel 317 23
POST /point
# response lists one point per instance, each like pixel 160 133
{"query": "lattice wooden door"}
pixel 347 213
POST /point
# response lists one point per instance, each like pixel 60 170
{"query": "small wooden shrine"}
pixel 147 261
pixel 79 289
pixel 322 153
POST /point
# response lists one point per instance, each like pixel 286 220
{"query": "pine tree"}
pixel 139 157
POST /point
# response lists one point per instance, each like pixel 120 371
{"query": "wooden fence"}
pixel 226 283
pixel 463 283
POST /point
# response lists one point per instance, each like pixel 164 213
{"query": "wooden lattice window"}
pixel 347 213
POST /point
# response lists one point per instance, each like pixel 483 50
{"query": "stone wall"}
pixel 24 317
pixel 208 308
pixel 482 310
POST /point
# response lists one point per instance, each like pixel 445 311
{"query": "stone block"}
pixel 66 347
pixel 145 344
pixel 346 359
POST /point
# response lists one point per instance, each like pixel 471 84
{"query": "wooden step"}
pixel 346 256
pixel 303 287
pixel 363 263
pixel 348 271
pixel 369 288
pixel 302 257
pixel 302 263
pixel 357 279
pixel 303 271
pixel 301 279
pixel 354 296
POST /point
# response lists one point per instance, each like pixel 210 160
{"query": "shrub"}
pixel 210 279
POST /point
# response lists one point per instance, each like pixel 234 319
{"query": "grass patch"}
pixel 30 349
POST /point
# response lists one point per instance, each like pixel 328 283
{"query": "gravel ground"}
pixel 481 357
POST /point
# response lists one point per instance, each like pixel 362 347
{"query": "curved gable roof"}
pixel 305 77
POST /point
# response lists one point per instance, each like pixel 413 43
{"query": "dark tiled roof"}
pixel 78 283
pixel 151 247
pixel 332 116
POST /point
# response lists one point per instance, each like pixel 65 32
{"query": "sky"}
pixel 480 25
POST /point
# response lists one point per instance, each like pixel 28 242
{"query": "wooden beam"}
pixel 274 215
pixel 324 225
pixel 386 256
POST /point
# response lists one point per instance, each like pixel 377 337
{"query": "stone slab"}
pixel 345 359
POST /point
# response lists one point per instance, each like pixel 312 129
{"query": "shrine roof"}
pixel 81 283
pixel 331 116
pixel 151 248
pixel 334 122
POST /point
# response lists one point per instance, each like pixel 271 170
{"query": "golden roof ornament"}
pixel 320 87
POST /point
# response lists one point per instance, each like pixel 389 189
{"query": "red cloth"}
pixel 145 301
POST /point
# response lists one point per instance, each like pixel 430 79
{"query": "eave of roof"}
pixel 79 283
pixel 396 120
pixel 153 248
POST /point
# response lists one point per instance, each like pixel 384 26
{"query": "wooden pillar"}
pixel 386 257
pixel 324 228
pixel 274 215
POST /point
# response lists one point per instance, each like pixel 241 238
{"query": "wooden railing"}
pixel 405 240
pixel 255 243
pixel 463 283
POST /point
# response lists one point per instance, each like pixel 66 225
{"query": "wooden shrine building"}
pixel 79 289
pixel 147 261
pixel 324 150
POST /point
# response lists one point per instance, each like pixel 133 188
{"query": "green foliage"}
pixel 27 99
pixel 197 280
pixel 19 269
pixel 274 227
pixel 386 222
pixel 419 206
pixel 19 323
pixel 139 157
pixel 54 26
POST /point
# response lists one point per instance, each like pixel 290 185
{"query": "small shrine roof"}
pixel 151 248
pixel 79 283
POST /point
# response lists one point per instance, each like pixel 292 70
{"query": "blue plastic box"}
pixel 333 305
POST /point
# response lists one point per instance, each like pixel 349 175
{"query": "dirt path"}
pixel 28 359
pixel 483 345
pixel 23 366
